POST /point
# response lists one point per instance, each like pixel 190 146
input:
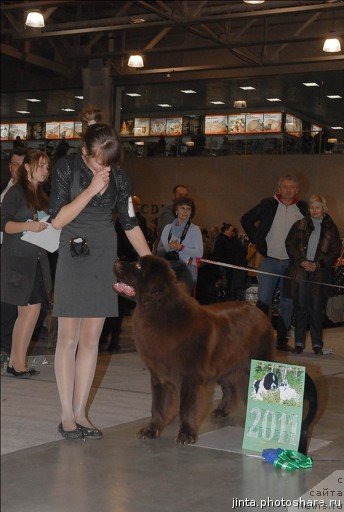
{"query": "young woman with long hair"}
pixel 85 189
pixel 25 272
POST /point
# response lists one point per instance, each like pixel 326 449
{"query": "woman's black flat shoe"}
pixel 20 375
pixel 34 372
pixel 71 434
pixel 92 433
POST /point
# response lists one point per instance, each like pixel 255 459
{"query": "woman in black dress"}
pixel 25 271
pixel 85 189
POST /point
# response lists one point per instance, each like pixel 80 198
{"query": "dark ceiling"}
pixel 212 47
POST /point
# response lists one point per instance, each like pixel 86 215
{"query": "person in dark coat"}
pixel 229 249
pixel 313 245
pixel 25 271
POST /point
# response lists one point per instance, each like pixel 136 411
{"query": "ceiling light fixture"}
pixel 135 61
pixel 33 100
pixel 254 1
pixel 247 88
pixel 332 44
pixel 240 104
pixel 188 91
pixel 164 105
pixel 79 97
pixel 310 84
pixel 34 19
pixel 273 99
pixel 133 94
pixel 337 128
pixel 135 21
pixel 333 96
pixel 218 102
pixel 68 109
pixel 23 111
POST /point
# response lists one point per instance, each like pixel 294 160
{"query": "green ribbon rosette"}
pixel 290 460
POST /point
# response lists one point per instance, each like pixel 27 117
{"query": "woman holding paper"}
pixel 85 189
pixel 25 271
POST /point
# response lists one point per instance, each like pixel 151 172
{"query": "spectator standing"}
pixel 267 225
pixel 25 271
pixel 313 245
pixel 9 312
pixel 167 214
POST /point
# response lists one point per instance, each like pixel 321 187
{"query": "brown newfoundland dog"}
pixel 189 348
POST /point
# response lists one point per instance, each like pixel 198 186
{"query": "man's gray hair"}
pixel 288 177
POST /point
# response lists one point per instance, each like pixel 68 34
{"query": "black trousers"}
pixel 9 314
pixel 310 309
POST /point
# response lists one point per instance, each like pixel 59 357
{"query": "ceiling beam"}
pixel 37 60
pixel 32 5
pixel 172 21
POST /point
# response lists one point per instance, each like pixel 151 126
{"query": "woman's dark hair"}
pixel 185 201
pixel 225 226
pixel 36 199
pixel 100 139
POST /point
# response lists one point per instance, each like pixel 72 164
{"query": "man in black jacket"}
pixel 267 225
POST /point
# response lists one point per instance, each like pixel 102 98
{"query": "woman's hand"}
pixel 175 246
pixel 36 226
pixel 99 182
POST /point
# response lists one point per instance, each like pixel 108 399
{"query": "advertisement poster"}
pixel 127 128
pixel 158 126
pixel 273 122
pixel 215 125
pixel 37 131
pixel 18 129
pixel 315 129
pixel 52 130
pixel 77 129
pixel 67 129
pixel 174 126
pixel 5 130
pixel 274 406
pixel 236 123
pixel 254 123
pixel 141 126
pixel 293 125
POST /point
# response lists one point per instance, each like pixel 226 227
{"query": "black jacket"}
pixel 264 214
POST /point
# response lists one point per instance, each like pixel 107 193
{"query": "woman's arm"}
pixel 138 241
pixel 71 210
pixel 13 227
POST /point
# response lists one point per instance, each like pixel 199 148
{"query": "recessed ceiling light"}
pixel 310 84
pixel 337 128
pixel 188 91
pixel 218 102
pixel 247 88
pixel 164 105
pixel 333 96
pixel 68 109
pixel 79 97
pixel 273 99
pixel 132 94
pixel 33 100
pixel 254 1
pixel 23 111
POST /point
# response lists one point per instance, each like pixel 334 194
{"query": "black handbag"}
pixel 79 247
pixel 172 256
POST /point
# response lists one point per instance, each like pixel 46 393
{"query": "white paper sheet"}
pixel 47 239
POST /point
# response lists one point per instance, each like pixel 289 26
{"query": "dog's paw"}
pixel 186 437
pixel 148 432
pixel 219 413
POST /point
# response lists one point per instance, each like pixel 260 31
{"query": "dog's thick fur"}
pixel 189 348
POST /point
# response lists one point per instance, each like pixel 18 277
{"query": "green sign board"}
pixel 274 406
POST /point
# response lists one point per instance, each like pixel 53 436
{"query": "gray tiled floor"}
pixel 43 473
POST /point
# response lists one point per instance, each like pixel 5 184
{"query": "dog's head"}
pixel 149 280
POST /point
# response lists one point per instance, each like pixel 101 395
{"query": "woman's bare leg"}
pixel 22 334
pixel 67 342
pixel 86 361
